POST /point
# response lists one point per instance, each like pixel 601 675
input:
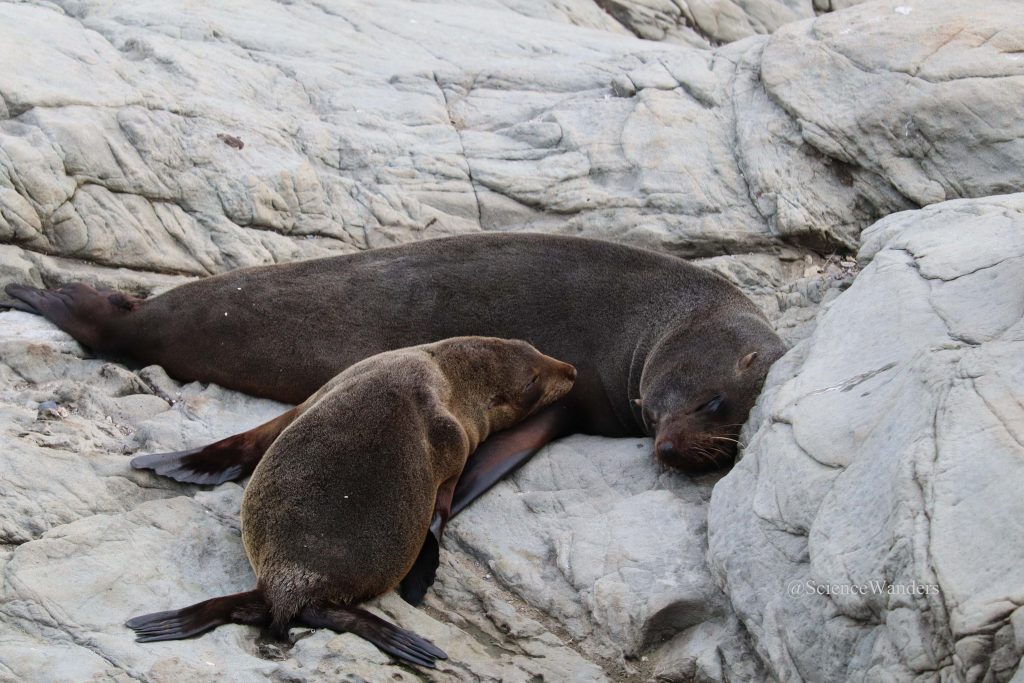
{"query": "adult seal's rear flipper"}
pixel 82 311
pixel 498 456
pixel 226 460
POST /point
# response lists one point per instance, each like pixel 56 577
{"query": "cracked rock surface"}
pixel 880 488
pixel 163 137
pixel 143 144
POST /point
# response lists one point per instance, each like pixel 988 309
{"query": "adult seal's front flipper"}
pixel 17 305
pixel 226 460
pixel 498 456
pixel 84 312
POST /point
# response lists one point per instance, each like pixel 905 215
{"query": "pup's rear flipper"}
pixel 240 608
pixel 226 460
pixel 78 309
pixel 397 642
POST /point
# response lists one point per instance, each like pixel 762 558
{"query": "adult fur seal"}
pixel 662 347
pixel 336 511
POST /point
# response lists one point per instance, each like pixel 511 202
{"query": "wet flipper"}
pixel 395 641
pixel 80 310
pixel 16 305
pixel 240 608
pixel 421 577
pixel 498 456
pixel 504 452
pixel 226 460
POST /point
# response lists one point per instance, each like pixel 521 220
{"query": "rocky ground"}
pixel 851 166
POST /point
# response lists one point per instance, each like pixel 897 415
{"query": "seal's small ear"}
pixel 746 361
pixel 639 402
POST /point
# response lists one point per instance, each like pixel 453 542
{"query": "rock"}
pixel 49 410
pixel 160 383
pixel 718 649
pixel 478 117
pixel 879 491
pixel 178 551
pixel 135 542
pixel 144 144
pixel 921 71
pixel 704 22
pixel 597 536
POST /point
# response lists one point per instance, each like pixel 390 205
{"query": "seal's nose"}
pixel 570 372
pixel 665 448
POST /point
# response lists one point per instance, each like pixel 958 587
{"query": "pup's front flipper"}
pixel 226 460
pixel 498 456
pixel 421 577
pixel 397 642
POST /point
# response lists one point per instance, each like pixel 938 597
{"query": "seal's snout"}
pixel 560 375
pixel 563 377
pixel 665 449
pixel 568 371
pixel 693 448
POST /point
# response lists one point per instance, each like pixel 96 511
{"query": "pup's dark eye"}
pixel 712 406
pixel 531 383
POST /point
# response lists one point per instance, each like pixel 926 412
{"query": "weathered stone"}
pixel 879 491
pixel 460 118
pixel 146 143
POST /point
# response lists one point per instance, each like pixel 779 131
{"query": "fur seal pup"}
pixel 336 511
pixel 637 324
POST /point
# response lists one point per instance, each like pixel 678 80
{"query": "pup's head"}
pixel 508 377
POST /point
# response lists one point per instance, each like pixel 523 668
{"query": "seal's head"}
pixel 509 377
pixel 699 382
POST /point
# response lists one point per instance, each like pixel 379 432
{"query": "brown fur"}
pixel 637 324
pixel 337 510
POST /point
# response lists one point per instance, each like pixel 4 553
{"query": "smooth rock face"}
pixel 146 143
pixel 873 530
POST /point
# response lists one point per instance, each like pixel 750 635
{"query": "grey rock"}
pixel 919 71
pixel 879 490
pixel 133 542
pixel 160 383
pixel 144 144
pixel 597 536
pixel 716 650
pixel 49 410
pixel 473 117
pixel 705 22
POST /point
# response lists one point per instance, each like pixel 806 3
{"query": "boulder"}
pixel 872 530
pixel 175 140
